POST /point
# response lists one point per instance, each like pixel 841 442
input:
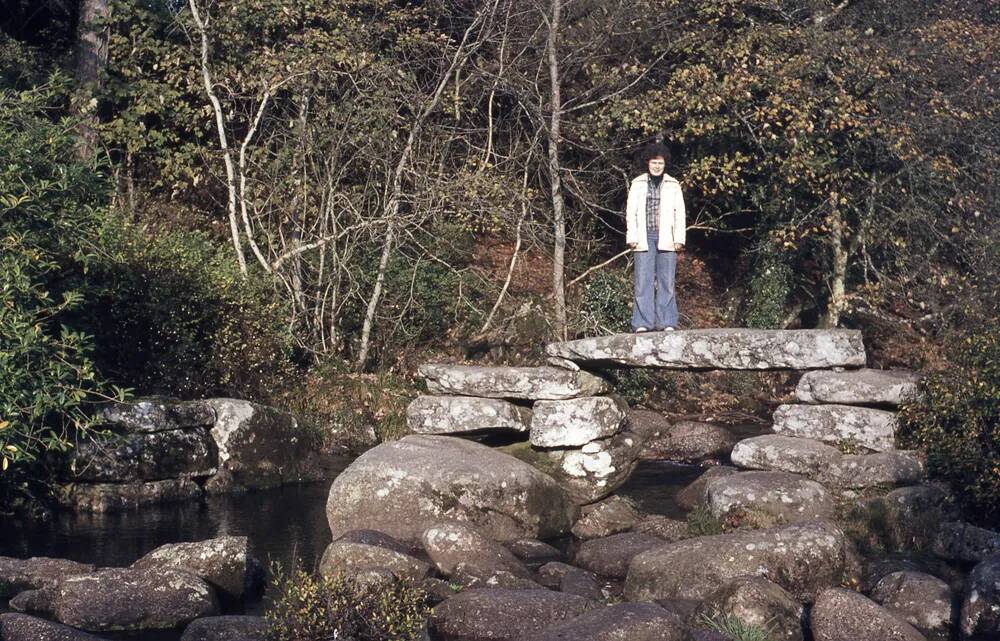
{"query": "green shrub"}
pixel 47 376
pixel 606 307
pixel 172 315
pixel 51 208
pixel 955 420
pixel 634 385
pixel 308 608
pixel 701 522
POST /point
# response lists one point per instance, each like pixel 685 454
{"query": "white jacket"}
pixel 673 223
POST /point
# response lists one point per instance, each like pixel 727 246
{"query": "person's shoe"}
pixel 641 330
pixel 668 329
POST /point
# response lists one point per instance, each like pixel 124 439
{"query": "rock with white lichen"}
pixel 576 422
pixel 156 414
pixel 845 615
pixel 450 544
pixel 861 427
pixel 503 614
pixel 260 447
pixel 922 600
pixel 224 562
pixel 755 601
pixel 858 387
pixel 879 469
pixel 406 486
pixel 771 498
pixel 18 575
pixel 597 469
pixel 142 456
pixel 123 599
pixel 352 559
pixel 619 622
pixel 22 627
pixel 465 415
pixel 980 616
pixel 803 559
pixel 774 452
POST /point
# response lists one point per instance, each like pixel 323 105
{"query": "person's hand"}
pixel 678 247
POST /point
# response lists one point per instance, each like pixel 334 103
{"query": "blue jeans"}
pixel 655 305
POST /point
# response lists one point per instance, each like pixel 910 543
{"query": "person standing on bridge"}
pixel 655 228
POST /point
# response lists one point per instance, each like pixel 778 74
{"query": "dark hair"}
pixel 653 150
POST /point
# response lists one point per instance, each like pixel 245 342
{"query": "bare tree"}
pixel 466 47
pixel 220 125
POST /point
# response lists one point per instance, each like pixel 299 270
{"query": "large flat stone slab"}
pixel 785 454
pixel 838 424
pixel 406 486
pixel 530 383
pixel 826 464
pixel 689 442
pixel 858 387
pixel 465 415
pixel 576 422
pixel 803 559
pixel 739 349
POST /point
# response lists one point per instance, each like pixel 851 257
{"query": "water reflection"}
pixel 281 524
pixel 655 484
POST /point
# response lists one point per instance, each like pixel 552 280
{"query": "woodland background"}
pixel 299 201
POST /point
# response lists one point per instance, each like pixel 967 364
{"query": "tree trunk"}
pixel 555 178
pixel 838 291
pixel 91 60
